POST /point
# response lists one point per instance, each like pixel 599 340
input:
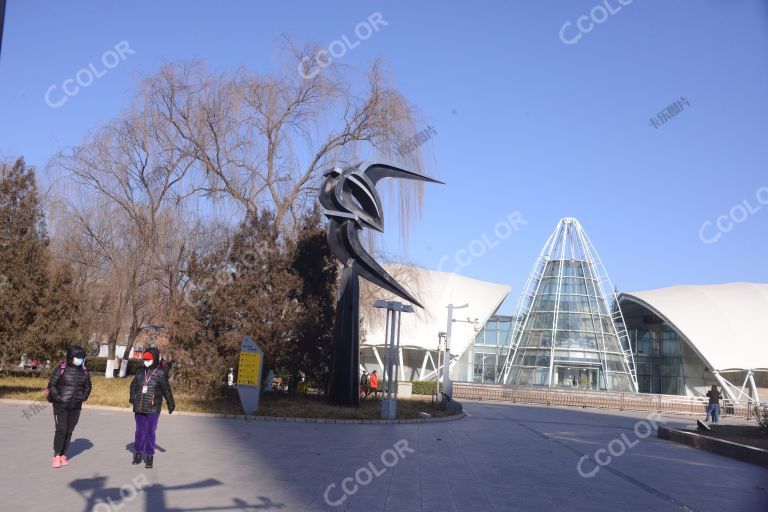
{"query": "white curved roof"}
pixel 727 324
pixel 435 290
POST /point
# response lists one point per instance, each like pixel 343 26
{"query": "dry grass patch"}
pixel 114 392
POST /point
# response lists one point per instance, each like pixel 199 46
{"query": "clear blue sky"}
pixel 524 122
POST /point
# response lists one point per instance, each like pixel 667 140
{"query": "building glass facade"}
pixel 490 347
pixel 658 355
pixel 569 338
pixel 668 362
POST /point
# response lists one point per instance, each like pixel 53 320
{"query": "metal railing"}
pixel 598 399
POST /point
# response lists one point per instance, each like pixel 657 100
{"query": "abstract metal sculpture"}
pixel 351 203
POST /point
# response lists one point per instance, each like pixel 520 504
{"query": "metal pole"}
pixel 755 396
pixel 386 352
pixel 391 354
pixel 437 368
pixel 560 263
pixel 402 362
pixel 447 360
pixel 723 385
pixel 424 365
pixel 400 354
pixel 401 365
pixel 378 359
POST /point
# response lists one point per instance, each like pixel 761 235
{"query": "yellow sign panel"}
pixel 249 369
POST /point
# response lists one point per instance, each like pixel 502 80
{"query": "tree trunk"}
pixel 111 349
pixel 132 335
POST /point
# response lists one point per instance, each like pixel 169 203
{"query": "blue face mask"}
pixel 78 361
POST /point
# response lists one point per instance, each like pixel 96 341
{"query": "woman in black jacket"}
pixel 68 387
pixel 149 387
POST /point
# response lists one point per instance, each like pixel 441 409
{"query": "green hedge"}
pixel 423 387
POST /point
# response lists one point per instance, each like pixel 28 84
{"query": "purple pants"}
pixel 146 425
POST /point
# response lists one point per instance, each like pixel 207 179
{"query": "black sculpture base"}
pixel 345 382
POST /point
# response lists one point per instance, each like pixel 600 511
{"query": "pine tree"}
pixel 318 270
pixel 248 290
pixel 279 292
pixel 58 320
pixel 23 258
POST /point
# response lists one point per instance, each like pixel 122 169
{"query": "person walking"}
pixel 148 388
pixel 373 383
pixel 68 387
pixel 365 388
pixel 713 409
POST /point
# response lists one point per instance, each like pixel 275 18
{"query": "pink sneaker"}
pixel 63 459
pixel 56 462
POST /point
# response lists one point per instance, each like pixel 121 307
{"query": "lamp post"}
pixel 395 310
pixel 447 384
pixel 440 338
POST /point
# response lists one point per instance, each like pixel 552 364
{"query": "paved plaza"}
pixel 501 457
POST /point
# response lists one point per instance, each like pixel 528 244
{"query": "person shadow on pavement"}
pixel 100 497
pixel 130 447
pixel 78 446
pixel 99 494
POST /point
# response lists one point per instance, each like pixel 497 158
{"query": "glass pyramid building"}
pixel 570 331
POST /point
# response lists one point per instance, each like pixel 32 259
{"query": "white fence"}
pixel 597 399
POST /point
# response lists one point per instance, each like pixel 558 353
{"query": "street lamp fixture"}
pixel 447 385
pixel 391 341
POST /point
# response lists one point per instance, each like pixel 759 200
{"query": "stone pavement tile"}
pixel 408 478
pixel 473 507
pixel 406 502
pixel 438 502
pixel 413 488
pixel 403 477
pixel 528 504
pixel 677 474
pixel 366 504
pixel 320 506
pixel 469 497
pixel 369 495
pixel 622 503
pixel 433 487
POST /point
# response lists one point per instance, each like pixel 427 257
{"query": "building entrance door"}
pixel 577 377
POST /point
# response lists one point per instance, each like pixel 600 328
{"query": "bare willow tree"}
pixel 405 274
pixel 132 178
pixel 264 140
